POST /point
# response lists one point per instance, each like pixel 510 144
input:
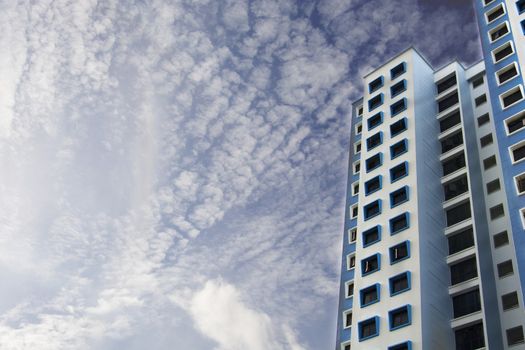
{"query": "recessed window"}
pixel 511 97
pixel 515 123
pixel 495 13
pixel 451 142
pixel 522 214
pixel 398 107
pixel 399 197
pixel 355 188
pixel 505 269
pixel 501 239
pixel 447 102
pixel 368 328
pixel 484 119
pixel 375 102
pixel 470 337
pixel 450 121
pixel 486 140
pixel 515 336
pixel 466 303
pixel 493 186
pixel 398 70
pixel 372 209
pixel 520 183
pixel 399 223
pixel 352 235
pixel 358 128
pixel 360 111
pixel 373 185
pixel 370 264
pixel 517 152
pixel 375 84
pixel 399 283
pixel 375 120
pixel 489 162
pixel 373 162
pixel 371 236
pixel 354 211
pixel 398 148
pixel 349 289
pixel 496 212
pixel 486 2
pixel 520 5
pixel 446 84
pixel 455 187
pixel 403 346
pixel 458 214
pixel 347 316
pixel 346 346
pixel 463 271
pixel 374 141
pixel 356 167
pixel 522 26
pixel 477 82
pixel 480 100
pixel 398 172
pixel 370 295
pixel 460 241
pixel 510 301
pixel 454 164
pixel 357 147
pixel 400 317
pixel 398 88
pixel 398 127
pixel 399 252
pixel 350 261
pixel 499 31
pixel 502 52
pixel 507 73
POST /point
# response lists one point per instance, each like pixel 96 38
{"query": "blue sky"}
pixel 173 173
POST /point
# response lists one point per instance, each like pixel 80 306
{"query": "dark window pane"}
pixel 507 74
pixel 398 127
pixel 501 239
pixel 399 283
pixel 370 236
pixel 458 213
pixel 496 211
pixel 451 142
pixel 463 271
pixel 484 119
pixel 489 162
pixel 495 14
pixel 470 338
pixel 503 52
pixel 518 153
pixel 511 98
pixel 486 140
pixel 398 148
pixel 477 82
pixel 454 164
pixel 399 223
pixel 397 70
pixel 375 120
pixel 516 123
pixel 398 172
pixel 509 300
pixel 448 102
pixel 493 186
pixel 515 335
pixel 505 269
pixel 373 185
pixel 495 35
pixel 375 84
pixel 460 241
pixel 373 162
pixel 446 84
pixel 450 121
pixel 480 100
pixel 466 303
pixel 455 188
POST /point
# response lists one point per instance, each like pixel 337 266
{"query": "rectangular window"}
pixel 505 269
pixel 452 165
pixel 523 26
pixel 460 241
pixel 466 303
pixel 358 128
pixel 400 317
pixel 503 52
pixel 399 252
pixel 360 111
pixel 450 121
pixel 398 88
pixel 398 107
pixel 348 319
pixel 349 289
pixel 375 102
pixel 398 172
pixel 354 211
pixel 399 223
pixel 448 102
pixel 357 147
pixel 501 239
pixel 470 337
pixel 463 271
pixel 515 123
pixel 486 140
pixel 355 188
pixel 507 73
pixel 398 127
pixel 520 183
pixel 520 5
pixel 458 214
pixel 373 162
pixel 370 264
pixel 352 235
pixel 489 162
pixel 455 187
pixel 374 141
pixel 375 120
pixel 371 236
pixel 372 209
pixel 399 283
pixel 398 148
pixel 350 261
pixel 493 186
pixel 480 100
pixel 496 212
pixel 451 142
pixel 373 185
pixel 375 84
pixel 515 336
pixel 518 152
pixel 484 119
pixel 403 346
pixel 398 70
pixel 511 97
pixel 368 328
pixel 357 167
pixel 370 295
pixel 498 32
pixel 446 84
pixel 398 197
pixel 509 301
pixel 495 13
pixel 477 82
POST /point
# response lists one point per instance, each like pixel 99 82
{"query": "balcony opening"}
pixel 460 241
pixel 454 164
pixel 455 188
pixel 448 102
pixel 450 121
pixel 446 84
pixel 470 338
pixel 463 271
pixel 466 303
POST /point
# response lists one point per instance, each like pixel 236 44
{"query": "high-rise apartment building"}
pixel 434 241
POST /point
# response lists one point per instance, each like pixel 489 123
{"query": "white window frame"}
pixel 494 9
pixel 350 241
pixel 354 164
pixel 511 148
pixel 516 184
pixel 355 147
pixel 352 211
pixel 522 212
pixel 360 124
pixel 346 312
pixel 345 344
pixel 360 107
pixel 503 70
pixel 348 257
pixel 496 28
pixel 490 2
pixel 500 48
pixel 354 193
pixel 509 92
pixel 347 284
pixel 506 122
